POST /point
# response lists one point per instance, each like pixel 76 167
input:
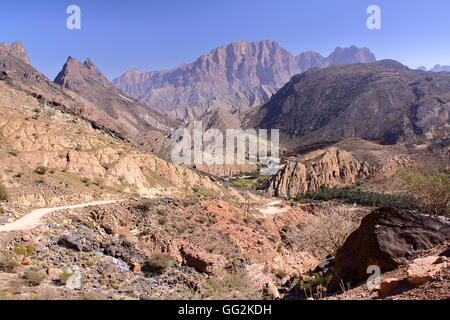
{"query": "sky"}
pixel 162 34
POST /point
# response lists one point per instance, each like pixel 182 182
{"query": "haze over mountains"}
pixel 235 68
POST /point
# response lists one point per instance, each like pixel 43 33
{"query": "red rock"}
pixel 26 238
pixel 27 261
pixel 136 267
pixel 424 269
pixel 54 274
pixel 388 285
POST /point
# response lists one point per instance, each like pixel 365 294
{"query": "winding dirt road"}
pixel 33 219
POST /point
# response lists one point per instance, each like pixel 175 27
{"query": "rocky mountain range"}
pixel 436 68
pixel 385 102
pixel 232 69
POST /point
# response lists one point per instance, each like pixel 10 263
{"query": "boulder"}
pixel 71 243
pixel 424 269
pixel 54 274
pixel 386 238
pixel 200 260
pixel 387 286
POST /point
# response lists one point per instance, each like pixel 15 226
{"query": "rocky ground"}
pixel 152 248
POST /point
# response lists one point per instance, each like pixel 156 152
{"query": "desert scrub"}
pixel 352 195
pixel 34 278
pixel 7 263
pixel 41 170
pixel 432 190
pixel 3 193
pixel 63 277
pixel 158 262
pixel 24 250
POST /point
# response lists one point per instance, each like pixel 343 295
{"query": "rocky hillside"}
pixel 134 119
pixel 238 67
pixel 53 153
pixel 383 101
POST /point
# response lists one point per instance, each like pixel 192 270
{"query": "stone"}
pixel 74 281
pixel 424 269
pixel 387 286
pixel 136 267
pixel 200 260
pixel 54 274
pixel 26 238
pixel 27 261
pixel 386 238
pixel 70 243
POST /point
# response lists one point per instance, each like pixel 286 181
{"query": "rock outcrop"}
pixel 386 238
pixel 325 168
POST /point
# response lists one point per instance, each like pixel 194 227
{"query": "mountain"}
pixel 353 54
pixel 17 50
pixel 234 103
pixel 238 67
pixel 436 68
pixel 141 124
pixel 383 101
pixel 439 68
pixel 86 80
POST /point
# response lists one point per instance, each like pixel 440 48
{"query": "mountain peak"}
pixel 18 50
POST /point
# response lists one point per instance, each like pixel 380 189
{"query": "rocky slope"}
pixel 55 149
pixel 238 67
pixel 134 119
pixel 383 101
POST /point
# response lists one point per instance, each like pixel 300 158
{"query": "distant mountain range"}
pixel 383 101
pixel 436 68
pixel 239 67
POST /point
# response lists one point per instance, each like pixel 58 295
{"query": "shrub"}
pixel 7 263
pixel 3 193
pixel 41 170
pixel 325 232
pixel 34 278
pixel 158 262
pixel 63 277
pixel 24 250
pixel 371 199
pixel 432 190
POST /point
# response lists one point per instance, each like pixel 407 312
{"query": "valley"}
pixel 93 207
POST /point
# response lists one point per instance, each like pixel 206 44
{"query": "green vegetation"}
pixel 24 250
pixel 3 193
pixel 63 277
pixel 352 195
pixel 432 190
pixel 254 182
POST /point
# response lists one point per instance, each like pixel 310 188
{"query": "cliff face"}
pixel 325 168
pixel 238 67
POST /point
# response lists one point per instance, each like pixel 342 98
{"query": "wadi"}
pixel 94 207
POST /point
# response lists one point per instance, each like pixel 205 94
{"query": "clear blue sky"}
pixel 150 35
